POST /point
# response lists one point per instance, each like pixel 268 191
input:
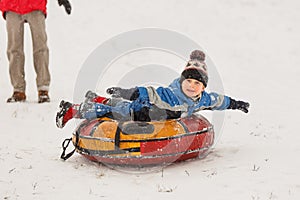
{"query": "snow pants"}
pixel 15 49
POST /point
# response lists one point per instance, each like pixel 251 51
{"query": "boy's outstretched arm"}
pixel 239 105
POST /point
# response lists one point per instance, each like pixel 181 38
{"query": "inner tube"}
pixel 133 143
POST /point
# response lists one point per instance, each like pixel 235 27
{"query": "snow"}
pixel 255 47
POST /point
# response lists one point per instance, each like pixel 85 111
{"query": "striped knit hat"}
pixel 196 68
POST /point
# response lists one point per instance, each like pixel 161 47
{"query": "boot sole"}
pixel 59 115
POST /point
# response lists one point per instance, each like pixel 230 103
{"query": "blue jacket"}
pixel 170 98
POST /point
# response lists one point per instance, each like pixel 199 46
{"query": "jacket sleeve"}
pixel 163 98
pixel 218 101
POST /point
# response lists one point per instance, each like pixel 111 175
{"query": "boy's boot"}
pixel 93 97
pixel 67 111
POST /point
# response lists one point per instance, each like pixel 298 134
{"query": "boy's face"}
pixel 192 88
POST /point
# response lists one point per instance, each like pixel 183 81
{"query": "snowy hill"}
pixel 255 48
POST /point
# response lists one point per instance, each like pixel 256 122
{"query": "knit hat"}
pixel 196 68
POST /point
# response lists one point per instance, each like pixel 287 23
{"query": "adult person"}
pixel 16 14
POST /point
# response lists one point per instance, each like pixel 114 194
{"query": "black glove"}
pixel 66 4
pixel 240 105
pixel 129 94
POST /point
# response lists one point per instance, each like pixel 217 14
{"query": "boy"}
pixel 184 95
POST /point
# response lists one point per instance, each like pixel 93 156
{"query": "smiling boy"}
pixel 184 95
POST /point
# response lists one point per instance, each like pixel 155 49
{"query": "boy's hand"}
pixel 129 94
pixel 66 4
pixel 240 105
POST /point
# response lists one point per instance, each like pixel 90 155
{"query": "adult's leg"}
pixel 36 20
pixel 15 50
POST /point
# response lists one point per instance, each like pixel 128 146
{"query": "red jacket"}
pixel 23 6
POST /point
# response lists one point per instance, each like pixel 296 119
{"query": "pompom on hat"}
pixel 196 68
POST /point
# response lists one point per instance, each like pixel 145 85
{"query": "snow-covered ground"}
pixel 255 47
